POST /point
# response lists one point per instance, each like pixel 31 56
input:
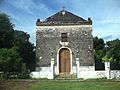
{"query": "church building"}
pixel 64 48
pixel 64 45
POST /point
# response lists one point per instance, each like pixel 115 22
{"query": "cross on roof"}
pixel 63 11
pixel 63 8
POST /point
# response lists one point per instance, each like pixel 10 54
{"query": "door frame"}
pixel 58 53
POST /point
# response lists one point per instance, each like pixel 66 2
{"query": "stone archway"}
pixel 64 61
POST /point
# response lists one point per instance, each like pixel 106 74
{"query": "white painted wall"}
pixel 74 70
pixel 92 74
pixel 85 72
pixel 45 72
pixel 99 74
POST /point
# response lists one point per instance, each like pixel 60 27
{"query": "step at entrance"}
pixel 65 77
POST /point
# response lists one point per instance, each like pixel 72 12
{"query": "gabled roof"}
pixel 63 18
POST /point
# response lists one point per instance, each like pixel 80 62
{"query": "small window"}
pixel 64 37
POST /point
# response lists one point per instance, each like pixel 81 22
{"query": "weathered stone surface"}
pixel 79 40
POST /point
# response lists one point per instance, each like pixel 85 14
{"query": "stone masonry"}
pixel 79 40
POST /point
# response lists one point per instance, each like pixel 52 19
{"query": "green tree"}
pixel 114 52
pixel 103 54
pixel 99 52
pixel 98 43
pixel 6 31
pixel 16 52
pixel 26 49
pixel 10 60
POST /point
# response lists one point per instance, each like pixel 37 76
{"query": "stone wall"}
pixel 115 74
pixel 79 39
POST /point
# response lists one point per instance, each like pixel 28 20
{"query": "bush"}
pixel 14 75
pixel 24 76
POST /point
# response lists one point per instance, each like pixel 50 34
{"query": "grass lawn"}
pixel 76 85
pixel 59 85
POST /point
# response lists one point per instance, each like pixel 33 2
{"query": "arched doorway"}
pixel 64 61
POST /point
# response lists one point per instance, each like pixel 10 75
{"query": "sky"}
pixel 105 14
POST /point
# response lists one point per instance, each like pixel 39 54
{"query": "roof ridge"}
pixel 65 17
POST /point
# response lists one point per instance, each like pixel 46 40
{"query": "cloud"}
pixel 105 14
pixel 54 4
pixel 33 38
pixel 111 37
pixel 110 20
pixel 24 13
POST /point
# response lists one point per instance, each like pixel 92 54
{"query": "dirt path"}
pixel 16 84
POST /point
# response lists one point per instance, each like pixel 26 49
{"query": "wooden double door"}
pixel 64 61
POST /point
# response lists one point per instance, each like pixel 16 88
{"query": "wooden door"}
pixel 64 61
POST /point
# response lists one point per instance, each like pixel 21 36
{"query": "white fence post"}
pixel 52 68
pixel 77 63
pixel 107 69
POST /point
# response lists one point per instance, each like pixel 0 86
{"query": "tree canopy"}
pixel 6 31
pixel 25 48
pixel 105 54
pixel 114 52
pixel 15 48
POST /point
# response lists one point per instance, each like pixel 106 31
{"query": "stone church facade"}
pixel 64 46
pixel 65 38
